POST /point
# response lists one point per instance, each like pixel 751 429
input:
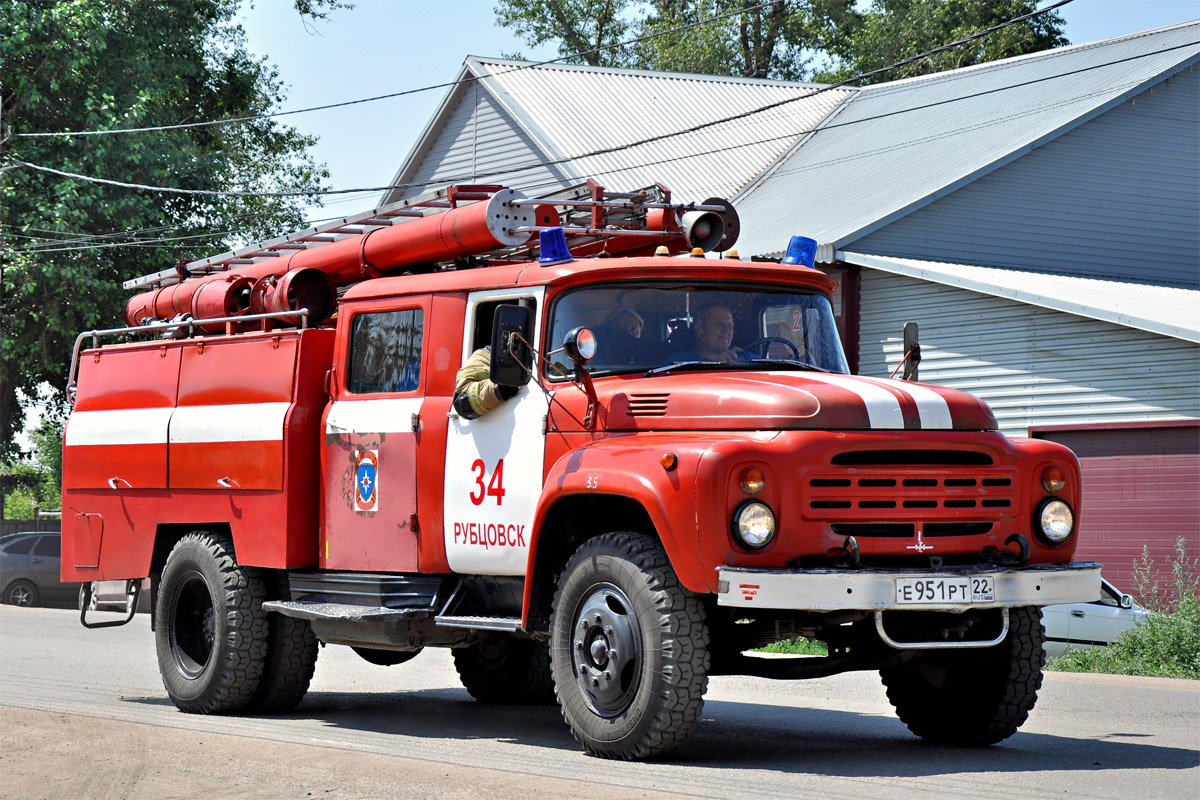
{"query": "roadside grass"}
pixel 1166 644
pixel 796 647
pixel 1163 645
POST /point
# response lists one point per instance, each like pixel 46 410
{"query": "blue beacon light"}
pixel 553 245
pixel 801 251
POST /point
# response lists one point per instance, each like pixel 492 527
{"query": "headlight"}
pixel 753 524
pixel 1054 521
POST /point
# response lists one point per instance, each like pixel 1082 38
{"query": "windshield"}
pixel 644 328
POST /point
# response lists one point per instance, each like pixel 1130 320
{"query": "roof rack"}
pixel 589 216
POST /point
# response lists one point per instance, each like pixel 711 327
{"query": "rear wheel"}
pixel 628 648
pixel 972 696
pixel 211 632
pixel 21 593
pixel 505 669
pixel 289 665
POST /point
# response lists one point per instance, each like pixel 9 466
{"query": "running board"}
pixel 507 624
pixel 339 612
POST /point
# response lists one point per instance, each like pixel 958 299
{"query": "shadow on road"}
pixel 741 735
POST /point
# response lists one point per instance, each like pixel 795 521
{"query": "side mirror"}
pixel 1126 601
pixel 580 346
pixel 511 358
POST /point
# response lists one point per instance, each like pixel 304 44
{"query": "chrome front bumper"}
pixel 875 589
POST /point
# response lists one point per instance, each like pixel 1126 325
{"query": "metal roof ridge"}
pixel 1067 302
pixel 1003 63
pixel 803 138
pixel 651 73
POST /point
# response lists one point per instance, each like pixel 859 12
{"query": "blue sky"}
pixel 386 46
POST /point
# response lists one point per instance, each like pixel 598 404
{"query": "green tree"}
pixel 825 40
pixel 893 30
pixel 581 27
pixel 104 64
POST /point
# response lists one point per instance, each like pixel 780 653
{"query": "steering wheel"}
pixel 766 341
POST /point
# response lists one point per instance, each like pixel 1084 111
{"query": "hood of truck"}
pixel 701 400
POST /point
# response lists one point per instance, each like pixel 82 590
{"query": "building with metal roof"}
pixel 1038 217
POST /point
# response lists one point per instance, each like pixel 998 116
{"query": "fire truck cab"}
pixel 683 471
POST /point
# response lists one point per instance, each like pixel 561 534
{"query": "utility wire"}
pixel 470 79
pixel 539 164
pixel 552 183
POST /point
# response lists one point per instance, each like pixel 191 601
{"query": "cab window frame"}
pixel 356 385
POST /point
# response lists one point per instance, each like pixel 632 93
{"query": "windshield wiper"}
pixel 689 365
pixel 788 362
pixel 768 362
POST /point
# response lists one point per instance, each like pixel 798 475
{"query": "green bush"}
pixel 1166 644
pixel 797 647
pixel 1163 645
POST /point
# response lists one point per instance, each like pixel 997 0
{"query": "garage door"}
pixel 1141 486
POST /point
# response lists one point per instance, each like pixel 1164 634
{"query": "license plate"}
pixel 948 589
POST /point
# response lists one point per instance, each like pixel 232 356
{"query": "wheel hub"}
pixel 606 653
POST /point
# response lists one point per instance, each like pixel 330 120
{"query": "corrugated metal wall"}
pixel 477 144
pixel 1032 365
pixel 1115 197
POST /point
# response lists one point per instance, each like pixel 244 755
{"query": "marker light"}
pixel 801 251
pixel 697 252
pixel 662 250
pixel 553 245
pixel 1053 479
pixel 668 461
pixel 753 524
pixel 753 480
pixel 1055 521
pixel 730 254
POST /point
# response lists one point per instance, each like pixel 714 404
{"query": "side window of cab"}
pixel 385 351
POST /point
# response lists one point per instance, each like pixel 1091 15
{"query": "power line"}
pixel 391 95
pixel 605 151
pixel 807 167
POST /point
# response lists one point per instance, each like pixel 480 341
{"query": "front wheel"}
pixel 972 696
pixel 211 631
pixel 628 649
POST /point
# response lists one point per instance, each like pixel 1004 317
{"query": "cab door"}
pixel 368 461
pixel 494 464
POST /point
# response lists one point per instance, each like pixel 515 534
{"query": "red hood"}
pixel 785 400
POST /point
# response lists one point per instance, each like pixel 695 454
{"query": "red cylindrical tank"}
pixel 221 298
pixel 301 288
pixel 458 232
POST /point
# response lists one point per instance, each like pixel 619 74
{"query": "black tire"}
pixel 289 665
pixel 211 632
pixel 628 649
pixel 21 593
pixel 505 669
pixel 386 658
pixel 972 697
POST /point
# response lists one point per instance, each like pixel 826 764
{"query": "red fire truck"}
pixel 685 471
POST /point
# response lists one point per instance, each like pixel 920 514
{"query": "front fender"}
pixel 630 468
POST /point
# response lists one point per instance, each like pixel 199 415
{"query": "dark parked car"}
pixel 29 570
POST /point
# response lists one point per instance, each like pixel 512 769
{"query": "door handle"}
pixel 1077 614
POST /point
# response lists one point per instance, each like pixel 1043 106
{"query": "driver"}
pixel 713 329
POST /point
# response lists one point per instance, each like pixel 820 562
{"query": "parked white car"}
pixel 1080 625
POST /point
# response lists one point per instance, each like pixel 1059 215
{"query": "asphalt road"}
pixel 83 714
